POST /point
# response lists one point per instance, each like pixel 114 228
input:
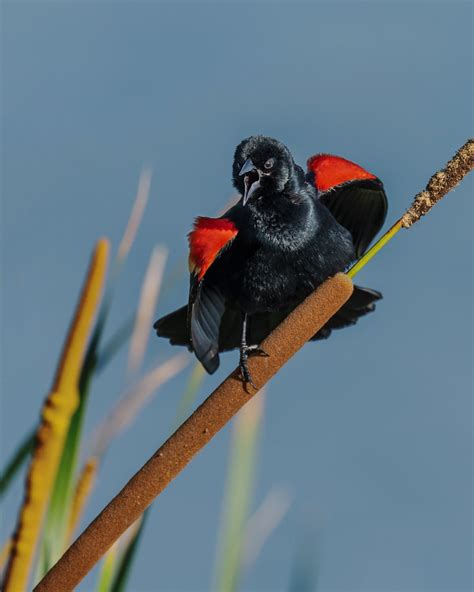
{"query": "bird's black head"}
pixel 263 166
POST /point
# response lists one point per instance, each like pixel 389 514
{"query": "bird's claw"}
pixel 245 352
pixel 246 375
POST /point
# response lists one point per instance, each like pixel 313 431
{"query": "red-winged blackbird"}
pixel 288 233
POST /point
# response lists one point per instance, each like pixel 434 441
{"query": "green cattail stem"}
pixel 441 183
pixel 374 249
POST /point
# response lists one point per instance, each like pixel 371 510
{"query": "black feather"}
pixel 260 325
pixel 359 206
pixel 206 314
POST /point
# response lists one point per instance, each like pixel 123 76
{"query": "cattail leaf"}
pixel 238 493
pixel 107 570
pixel 58 517
pixel 124 566
pixel 16 461
pixel 305 569
pixel 114 344
pixel 190 392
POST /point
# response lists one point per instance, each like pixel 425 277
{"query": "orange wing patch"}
pixel 331 171
pixel 206 241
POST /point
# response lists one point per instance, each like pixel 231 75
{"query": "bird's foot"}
pixel 245 352
pixel 245 372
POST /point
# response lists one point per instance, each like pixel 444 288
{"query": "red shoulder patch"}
pixel 331 171
pixel 206 241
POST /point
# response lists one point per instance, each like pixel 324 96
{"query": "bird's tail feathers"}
pixel 359 304
pixel 174 326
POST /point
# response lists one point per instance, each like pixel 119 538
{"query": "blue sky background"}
pixel 371 432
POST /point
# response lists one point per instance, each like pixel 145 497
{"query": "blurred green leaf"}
pixel 19 456
pixel 126 561
pixel 114 344
pixel 190 392
pixel 57 519
pixel 107 571
pixel 237 497
pixel 304 573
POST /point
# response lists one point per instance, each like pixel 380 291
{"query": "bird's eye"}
pixel 269 164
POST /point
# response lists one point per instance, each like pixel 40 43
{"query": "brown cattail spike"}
pixel 441 183
pixel 58 409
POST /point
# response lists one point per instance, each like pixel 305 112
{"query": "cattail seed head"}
pixel 441 183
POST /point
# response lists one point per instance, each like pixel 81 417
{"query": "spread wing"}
pixel 355 197
pixel 206 305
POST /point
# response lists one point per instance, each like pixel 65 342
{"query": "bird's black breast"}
pixel 277 260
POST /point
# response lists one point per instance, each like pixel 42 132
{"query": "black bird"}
pixel 288 233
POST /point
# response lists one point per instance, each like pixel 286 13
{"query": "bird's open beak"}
pixel 251 179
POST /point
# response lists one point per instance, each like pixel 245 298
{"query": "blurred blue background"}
pixel 371 432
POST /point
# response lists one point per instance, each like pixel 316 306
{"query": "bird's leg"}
pixel 246 351
pixel 244 355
